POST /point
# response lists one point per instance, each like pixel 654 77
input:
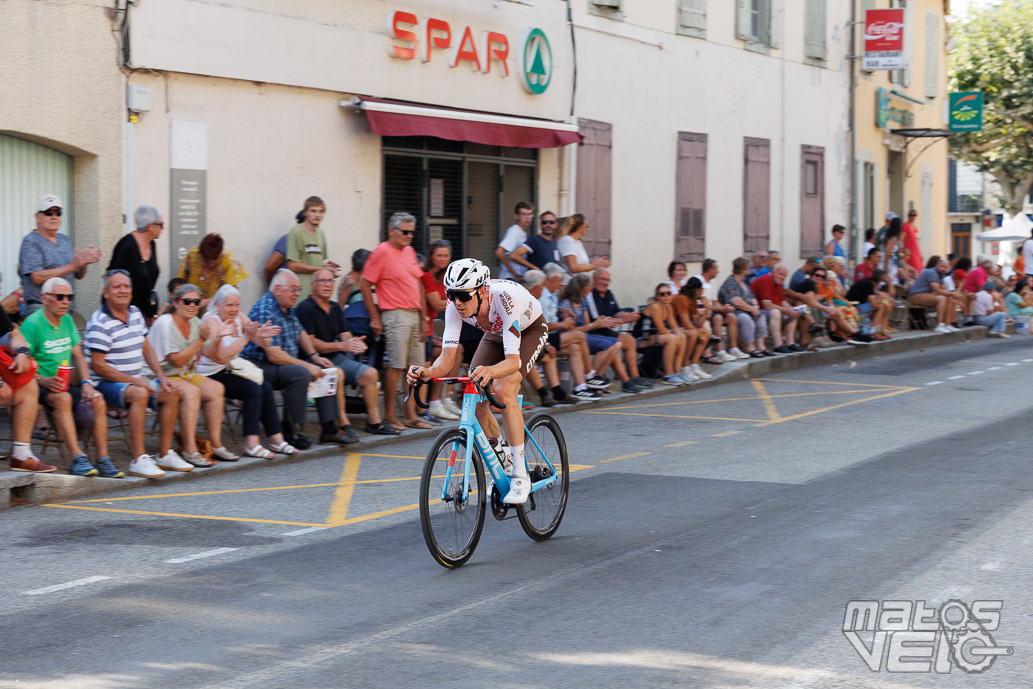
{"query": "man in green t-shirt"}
pixel 306 245
pixel 53 339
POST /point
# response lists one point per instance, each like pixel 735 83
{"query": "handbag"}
pixel 248 370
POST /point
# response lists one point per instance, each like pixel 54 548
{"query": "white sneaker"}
pixel 953 329
pixel 438 409
pixel 173 462
pixel 145 467
pixel 519 490
pixel 942 329
pixel 688 373
pixel 700 373
pixel 726 356
pixel 738 353
pixel 452 407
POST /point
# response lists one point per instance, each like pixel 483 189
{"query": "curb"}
pixel 18 488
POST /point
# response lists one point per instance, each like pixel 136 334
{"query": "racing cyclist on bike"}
pixel 515 334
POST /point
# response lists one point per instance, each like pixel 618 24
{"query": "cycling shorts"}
pixel 532 341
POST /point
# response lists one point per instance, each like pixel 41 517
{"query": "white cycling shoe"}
pixel 519 490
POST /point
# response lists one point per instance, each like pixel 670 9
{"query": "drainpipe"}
pixel 852 60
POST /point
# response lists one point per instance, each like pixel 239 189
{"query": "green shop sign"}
pixel 966 111
pixel 886 113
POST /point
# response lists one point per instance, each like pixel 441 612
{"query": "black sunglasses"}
pixel 62 297
pixel 190 302
pixel 818 275
pixel 548 222
pixel 459 295
pixel 51 212
pixel 158 224
pixel 663 294
pixel 408 233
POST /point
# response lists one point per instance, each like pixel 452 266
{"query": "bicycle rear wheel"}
pixel 451 521
pixel 541 515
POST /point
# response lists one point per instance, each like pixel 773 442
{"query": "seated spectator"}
pixel 836 267
pixel 276 259
pixel 691 312
pixel 959 277
pixel 601 302
pixel 208 266
pixel 752 325
pixel 606 350
pixel 170 303
pixel 677 276
pixel 53 341
pixel 803 272
pixel 719 316
pixel 572 250
pixel 137 254
pixel 177 340
pixel 20 391
pixel 539 249
pixel 783 319
pixel 564 337
pixel 871 296
pixel 866 267
pixel 842 319
pixel 1019 301
pixel 1009 284
pixel 979 275
pixel 534 281
pixel 116 339
pixel 231 331
pixel 758 266
pixel 348 291
pixel 323 320
pixel 661 327
pixel 278 359
pixel 441 404
pixel 928 292
pixel 307 250
pixel 987 312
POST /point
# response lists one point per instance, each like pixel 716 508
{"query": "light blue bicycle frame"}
pixel 475 434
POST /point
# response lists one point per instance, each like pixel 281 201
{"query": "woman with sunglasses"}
pixel 515 335
pixel 659 314
pixel 177 340
pixel 137 257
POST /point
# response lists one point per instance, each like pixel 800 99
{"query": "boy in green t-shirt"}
pixel 306 245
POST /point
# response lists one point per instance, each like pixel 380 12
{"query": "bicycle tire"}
pixel 452 528
pixel 541 515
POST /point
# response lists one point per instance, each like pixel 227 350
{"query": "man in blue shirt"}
pixel 928 291
pixel 601 302
pixel 541 248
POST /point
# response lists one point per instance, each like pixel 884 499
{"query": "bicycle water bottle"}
pixel 64 374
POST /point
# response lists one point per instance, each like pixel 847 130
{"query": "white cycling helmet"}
pixel 466 274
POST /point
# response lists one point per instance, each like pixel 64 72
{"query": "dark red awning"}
pixel 389 118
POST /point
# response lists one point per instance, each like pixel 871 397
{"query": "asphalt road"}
pixel 713 538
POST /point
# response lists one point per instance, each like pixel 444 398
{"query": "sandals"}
pixel 716 360
pixel 224 454
pixel 381 429
pixel 197 459
pixel 756 354
pixel 262 453
pixel 283 448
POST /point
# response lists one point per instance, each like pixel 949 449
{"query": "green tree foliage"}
pixel 994 54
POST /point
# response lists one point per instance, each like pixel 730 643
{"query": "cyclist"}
pixel 515 334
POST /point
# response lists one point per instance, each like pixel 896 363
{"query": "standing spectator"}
pixel 398 313
pixel 572 251
pixel 276 259
pixel 677 275
pixel 835 245
pixel 753 325
pixel 323 320
pixel 136 254
pixel 306 245
pixel 909 236
pixel 928 291
pixel 231 331
pixel 658 319
pixel 539 249
pixel 1026 254
pixel 278 358
pixel 601 302
pixel 116 338
pixel 46 253
pixel 880 236
pixel 987 312
pixel 208 267
pixel 54 341
pixel 869 241
pixel 516 234
pixel 783 319
pixel 433 278
pixel 177 340
pixel 758 266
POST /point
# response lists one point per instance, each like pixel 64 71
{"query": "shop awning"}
pixel 390 118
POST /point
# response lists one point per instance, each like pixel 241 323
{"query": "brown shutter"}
pixel 594 189
pixel 812 200
pixel 691 197
pixel 756 194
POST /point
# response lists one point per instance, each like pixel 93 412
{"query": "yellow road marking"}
pixel 822 382
pixel 837 406
pixel 188 516
pixel 617 459
pixel 674 416
pixel 769 405
pixel 721 435
pixel 682 443
pixel 343 495
pixel 733 399
pixel 370 454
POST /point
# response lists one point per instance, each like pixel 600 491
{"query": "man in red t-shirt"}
pixel 782 318
pixel 909 236
pixel 398 312
pixel 870 263
pixel 977 277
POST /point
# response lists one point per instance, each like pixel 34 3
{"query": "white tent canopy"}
pixel 1016 229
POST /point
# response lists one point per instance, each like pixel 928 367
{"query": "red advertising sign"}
pixel 883 39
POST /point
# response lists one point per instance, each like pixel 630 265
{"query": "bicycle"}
pixel 452 504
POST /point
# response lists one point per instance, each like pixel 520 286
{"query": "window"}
pixel 756 194
pixel 903 76
pixel 594 188
pixel 932 54
pixel 812 199
pixel 692 18
pixel 814 51
pixel 612 9
pixel 759 23
pixel 691 197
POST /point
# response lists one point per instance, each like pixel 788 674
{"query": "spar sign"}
pixel 883 40
pixel 966 111
pixel 484 52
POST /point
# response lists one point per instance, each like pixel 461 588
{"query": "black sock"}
pixel 543 391
pixel 330 427
pixel 559 393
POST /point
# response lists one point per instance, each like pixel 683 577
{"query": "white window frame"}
pixel 611 9
pixel 692 18
pixel 769 21
pixel 815 50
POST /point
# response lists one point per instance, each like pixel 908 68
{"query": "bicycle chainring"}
pixel 498 508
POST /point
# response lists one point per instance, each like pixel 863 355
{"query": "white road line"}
pixel 934 382
pixel 304 531
pixel 1026 361
pixel 955 377
pixel 994 368
pixel 198 556
pixel 1012 364
pixel 66 585
pixel 975 373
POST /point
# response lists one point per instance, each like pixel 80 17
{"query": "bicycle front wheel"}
pixel 541 515
pixel 452 519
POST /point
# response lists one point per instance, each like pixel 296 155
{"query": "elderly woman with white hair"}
pixel 135 253
pixel 230 331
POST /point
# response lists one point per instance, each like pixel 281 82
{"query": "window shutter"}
pixel 814 30
pixel 932 54
pixel 691 192
pixel 756 193
pixel 909 44
pixel 594 184
pixel 692 18
pixel 774 38
pixel 742 20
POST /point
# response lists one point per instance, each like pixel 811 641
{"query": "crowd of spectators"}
pixel 204 351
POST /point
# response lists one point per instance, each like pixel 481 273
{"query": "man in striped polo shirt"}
pixel 116 339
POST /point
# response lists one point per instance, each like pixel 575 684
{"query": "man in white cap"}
pixel 46 253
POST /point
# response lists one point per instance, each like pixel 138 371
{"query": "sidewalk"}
pixel 18 488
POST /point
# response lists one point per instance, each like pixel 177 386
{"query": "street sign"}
pixel 966 111
pixel 883 40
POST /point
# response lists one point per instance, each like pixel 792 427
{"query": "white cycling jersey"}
pixel 511 310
